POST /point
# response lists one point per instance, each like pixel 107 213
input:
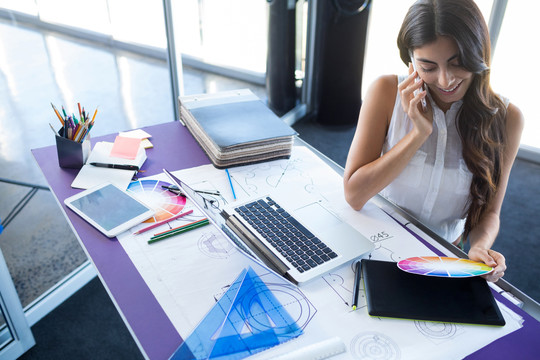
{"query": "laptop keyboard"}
pixel 296 243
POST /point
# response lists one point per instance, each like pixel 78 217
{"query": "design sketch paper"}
pixel 187 274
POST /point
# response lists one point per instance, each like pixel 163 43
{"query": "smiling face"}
pixel 439 65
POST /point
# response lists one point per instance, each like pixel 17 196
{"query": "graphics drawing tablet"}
pixel 109 209
pixel 393 293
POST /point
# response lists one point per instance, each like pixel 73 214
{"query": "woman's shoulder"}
pixel 386 82
pixel 383 89
pixel 379 101
pixel 514 118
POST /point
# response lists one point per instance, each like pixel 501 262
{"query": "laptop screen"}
pixel 210 204
pixel 207 202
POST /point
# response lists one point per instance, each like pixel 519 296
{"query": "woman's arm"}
pixel 366 171
pixel 483 235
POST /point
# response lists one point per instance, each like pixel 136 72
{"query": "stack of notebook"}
pixel 236 128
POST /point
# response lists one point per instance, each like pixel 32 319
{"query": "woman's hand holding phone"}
pixel 412 95
pixel 417 79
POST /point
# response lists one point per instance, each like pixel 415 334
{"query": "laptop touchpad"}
pixel 316 218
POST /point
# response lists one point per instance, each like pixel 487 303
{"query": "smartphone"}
pixel 423 101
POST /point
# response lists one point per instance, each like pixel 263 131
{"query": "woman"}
pixel 449 165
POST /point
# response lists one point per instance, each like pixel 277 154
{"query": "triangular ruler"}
pixel 247 319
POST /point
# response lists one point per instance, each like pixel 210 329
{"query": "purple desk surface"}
pixel 521 344
pixel 174 149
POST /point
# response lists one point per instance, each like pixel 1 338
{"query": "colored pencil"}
pixel 230 183
pixel 180 227
pixel 58 114
pixel 181 230
pixel 162 222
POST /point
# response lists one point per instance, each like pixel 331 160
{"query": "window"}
pixel 514 65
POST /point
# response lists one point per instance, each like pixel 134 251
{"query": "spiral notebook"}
pixel 393 293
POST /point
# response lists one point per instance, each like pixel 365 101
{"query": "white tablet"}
pixel 109 209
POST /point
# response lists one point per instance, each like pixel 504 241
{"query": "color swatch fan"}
pixel 444 266
pixel 152 193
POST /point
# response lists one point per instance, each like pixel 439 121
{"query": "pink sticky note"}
pixel 126 148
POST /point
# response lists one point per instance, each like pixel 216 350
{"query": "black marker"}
pixel 116 166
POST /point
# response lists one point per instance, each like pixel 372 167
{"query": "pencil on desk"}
pixel 230 183
pixel 179 230
pixel 356 288
pixel 180 227
pixel 162 222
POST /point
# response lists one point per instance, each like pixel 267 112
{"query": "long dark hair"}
pixel 481 120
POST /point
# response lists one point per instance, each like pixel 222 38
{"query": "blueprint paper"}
pixel 189 273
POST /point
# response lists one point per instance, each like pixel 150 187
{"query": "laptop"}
pixel 394 293
pixel 300 243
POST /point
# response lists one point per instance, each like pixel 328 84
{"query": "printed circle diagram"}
pixel 374 346
pixel 216 247
pixel 297 305
pixel 435 330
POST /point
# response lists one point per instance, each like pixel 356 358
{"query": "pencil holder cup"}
pixel 72 154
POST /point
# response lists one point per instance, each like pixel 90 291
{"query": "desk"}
pixel 152 330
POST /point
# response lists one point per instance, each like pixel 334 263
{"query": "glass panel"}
pixel 511 76
pixel 6 336
pixel 138 21
pixel 5 332
pixel 15 334
pixel 382 55
pixel 229 33
pixel 28 7
pixel 187 26
pixel 40 67
pixel 85 14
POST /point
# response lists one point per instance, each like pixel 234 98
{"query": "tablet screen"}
pixel 109 207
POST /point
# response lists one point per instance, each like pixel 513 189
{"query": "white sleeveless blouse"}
pixel 434 187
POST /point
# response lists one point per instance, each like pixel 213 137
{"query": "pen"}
pixel 116 166
pixel 179 230
pixel 230 183
pixel 357 269
pixel 175 190
pixel 162 222
pixel 207 192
